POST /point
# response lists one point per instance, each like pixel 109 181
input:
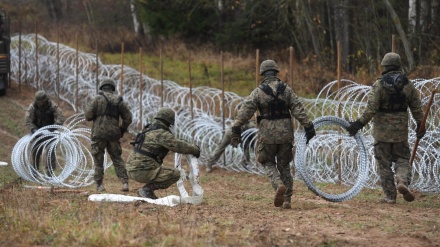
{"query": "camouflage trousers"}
pixel 161 178
pixel 36 156
pixel 386 154
pixel 275 159
pixel 114 150
pixel 224 143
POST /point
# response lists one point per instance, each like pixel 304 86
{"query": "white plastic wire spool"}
pixel 193 178
pixel 306 167
pixel 171 200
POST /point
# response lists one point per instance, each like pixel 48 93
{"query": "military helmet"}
pixel 267 65
pixel 41 96
pixel 107 81
pixel 165 114
pixel 391 59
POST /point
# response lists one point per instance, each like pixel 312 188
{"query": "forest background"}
pixel 199 30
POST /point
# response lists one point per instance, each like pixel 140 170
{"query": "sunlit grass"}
pixel 204 72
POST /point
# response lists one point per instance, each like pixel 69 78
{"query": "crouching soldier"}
pixel 43 112
pixel 145 164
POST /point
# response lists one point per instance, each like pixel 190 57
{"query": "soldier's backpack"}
pixel 111 109
pixel 277 107
pixel 396 99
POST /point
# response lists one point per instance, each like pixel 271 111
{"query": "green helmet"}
pixel 391 59
pixel 107 81
pixel 165 114
pixel 267 65
pixel 41 96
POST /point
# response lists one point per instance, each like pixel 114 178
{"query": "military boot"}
pixel 389 197
pixel 279 195
pixel 148 192
pixel 125 187
pixel 407 195
pixel 388 200
pixel 99 186
pixel 286 203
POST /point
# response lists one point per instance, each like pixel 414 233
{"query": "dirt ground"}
pixel 238 209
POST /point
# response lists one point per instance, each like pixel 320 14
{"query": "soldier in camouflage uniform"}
pixel 105 110
pixel 145 162
pixel 388 102
pixel 276 103
pixel 43 112
pixel 226 140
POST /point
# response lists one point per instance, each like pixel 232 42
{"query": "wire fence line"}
pixel 203 123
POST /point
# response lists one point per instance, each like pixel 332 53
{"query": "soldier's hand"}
pixel 310 132
pixel 421 131
pixel 122 131
pixel 197 154
pixel 236 136
pixel 354 127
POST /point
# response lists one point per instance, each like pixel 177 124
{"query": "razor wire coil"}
pixel 205 128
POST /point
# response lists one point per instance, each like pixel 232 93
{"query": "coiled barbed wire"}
pixel 204 129
pixel 314 160
pixel 70 146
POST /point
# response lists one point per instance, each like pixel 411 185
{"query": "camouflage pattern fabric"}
pixel 106 133
pixel 275 136
pixel 226 140
pixel 37 117
pixel 274 131
pixel 160 141
pixel 36 156
pixel 115 151
pixel 386 154
pixel 165 177
pixel 106 127
pixel 278 171
pixel 391 126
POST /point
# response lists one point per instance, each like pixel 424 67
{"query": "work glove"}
pixel 235 136
pixel 310 132
pixel 354 127
pixel 197 154
pixel 122 131
pixel 420 131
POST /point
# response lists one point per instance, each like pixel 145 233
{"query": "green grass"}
pixel 204 72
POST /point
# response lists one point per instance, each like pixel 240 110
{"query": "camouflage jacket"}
pixel 158 142
pixel 39 117
pixel 272 131
pixel 106 127
pixel 391 126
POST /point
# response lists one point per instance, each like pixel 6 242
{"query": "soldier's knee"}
pixel 175 176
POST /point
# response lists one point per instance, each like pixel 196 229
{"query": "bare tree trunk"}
pixel 137 25
pixel 311 30
pixel 54 9
pixel 342 30
pixel 89 11
pixel 406 45
pixel 412 16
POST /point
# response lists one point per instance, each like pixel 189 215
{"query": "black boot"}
pixel 148 192
pixel 99 186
